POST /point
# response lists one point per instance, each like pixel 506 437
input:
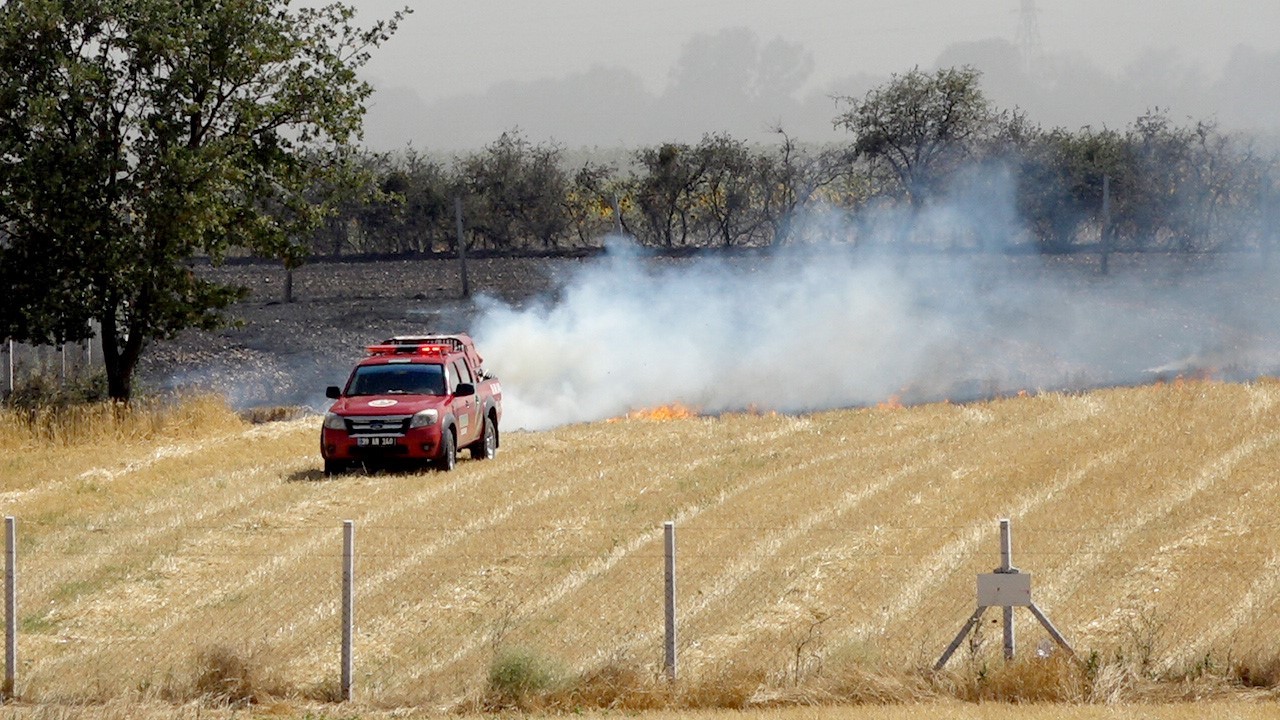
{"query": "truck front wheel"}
pixel 448 451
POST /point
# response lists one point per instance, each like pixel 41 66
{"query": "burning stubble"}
pixel 855 322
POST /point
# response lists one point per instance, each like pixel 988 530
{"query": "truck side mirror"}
pixel 333 392
pixel 465 390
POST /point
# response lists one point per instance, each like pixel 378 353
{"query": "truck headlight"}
pixel 425 418
pixel 334 421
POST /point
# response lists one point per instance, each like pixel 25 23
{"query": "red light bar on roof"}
pixel 426 349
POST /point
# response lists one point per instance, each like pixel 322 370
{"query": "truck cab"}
pixel 414 400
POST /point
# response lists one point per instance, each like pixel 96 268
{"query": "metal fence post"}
pixel 348 603
pixel 10 608
pixel 669 657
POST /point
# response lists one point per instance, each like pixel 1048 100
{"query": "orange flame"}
pixel 893 403
pixel 1202 375
pixel 1196 377
pixel 673 411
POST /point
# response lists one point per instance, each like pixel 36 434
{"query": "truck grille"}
pixel 378 424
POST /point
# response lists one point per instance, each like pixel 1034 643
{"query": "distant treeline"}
pixel 930 164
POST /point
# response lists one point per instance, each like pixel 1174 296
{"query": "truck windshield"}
pixel 416 379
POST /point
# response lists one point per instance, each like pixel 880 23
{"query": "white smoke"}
pixel 849 324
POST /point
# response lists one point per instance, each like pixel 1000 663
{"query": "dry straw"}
pixel 825 559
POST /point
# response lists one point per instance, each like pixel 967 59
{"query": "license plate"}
pixel 376 442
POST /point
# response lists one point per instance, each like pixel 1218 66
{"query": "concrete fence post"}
pixel 1006 566
pixel 10 608
pixel 669 543
pixel 348 604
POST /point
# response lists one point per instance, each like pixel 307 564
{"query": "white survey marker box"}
pixel 1004 589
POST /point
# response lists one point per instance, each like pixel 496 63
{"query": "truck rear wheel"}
pixel 449 452
pixel 334 467
pixel 486 448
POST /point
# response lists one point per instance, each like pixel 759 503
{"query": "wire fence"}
pixel 21 364
pixel 103 612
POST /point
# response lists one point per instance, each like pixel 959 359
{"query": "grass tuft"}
pixel 1257 671
pixel 613 686
pixel 1054 679
pixel 224 676
pixel 727 687
pixel 519 679
pixel 858 685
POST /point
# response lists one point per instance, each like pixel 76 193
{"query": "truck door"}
pixel 467 409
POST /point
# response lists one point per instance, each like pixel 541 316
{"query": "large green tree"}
pixel 920 127
pixel 137 135
pixel 516 190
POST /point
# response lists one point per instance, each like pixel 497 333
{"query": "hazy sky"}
pixel 448 48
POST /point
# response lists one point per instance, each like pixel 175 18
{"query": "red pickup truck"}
pixel 414 400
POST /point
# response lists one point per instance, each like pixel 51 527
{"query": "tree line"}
pixel 921 141
pixel 138 137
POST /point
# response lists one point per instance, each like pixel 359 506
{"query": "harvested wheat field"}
pixel 177 553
